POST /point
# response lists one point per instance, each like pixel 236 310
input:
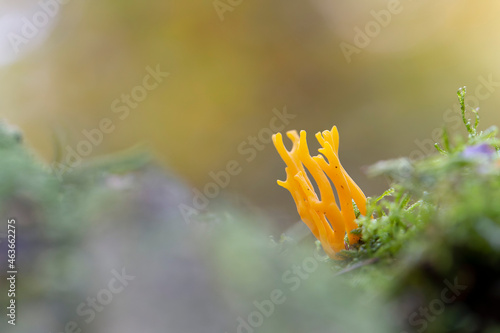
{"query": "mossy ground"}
pixel 439 222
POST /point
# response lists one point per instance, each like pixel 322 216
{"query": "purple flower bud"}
pixel 482 150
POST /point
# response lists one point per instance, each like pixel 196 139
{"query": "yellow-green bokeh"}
pixel 227 76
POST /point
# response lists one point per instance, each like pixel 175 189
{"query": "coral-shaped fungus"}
pixel 327 222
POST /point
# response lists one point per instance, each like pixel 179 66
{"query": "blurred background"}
pixel 230 65
pixel 203 84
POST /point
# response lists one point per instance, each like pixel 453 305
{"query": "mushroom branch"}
pixel 322 215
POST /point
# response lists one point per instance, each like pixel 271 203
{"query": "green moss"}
pixel 440 221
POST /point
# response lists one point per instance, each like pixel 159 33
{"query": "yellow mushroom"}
pixel 325 219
